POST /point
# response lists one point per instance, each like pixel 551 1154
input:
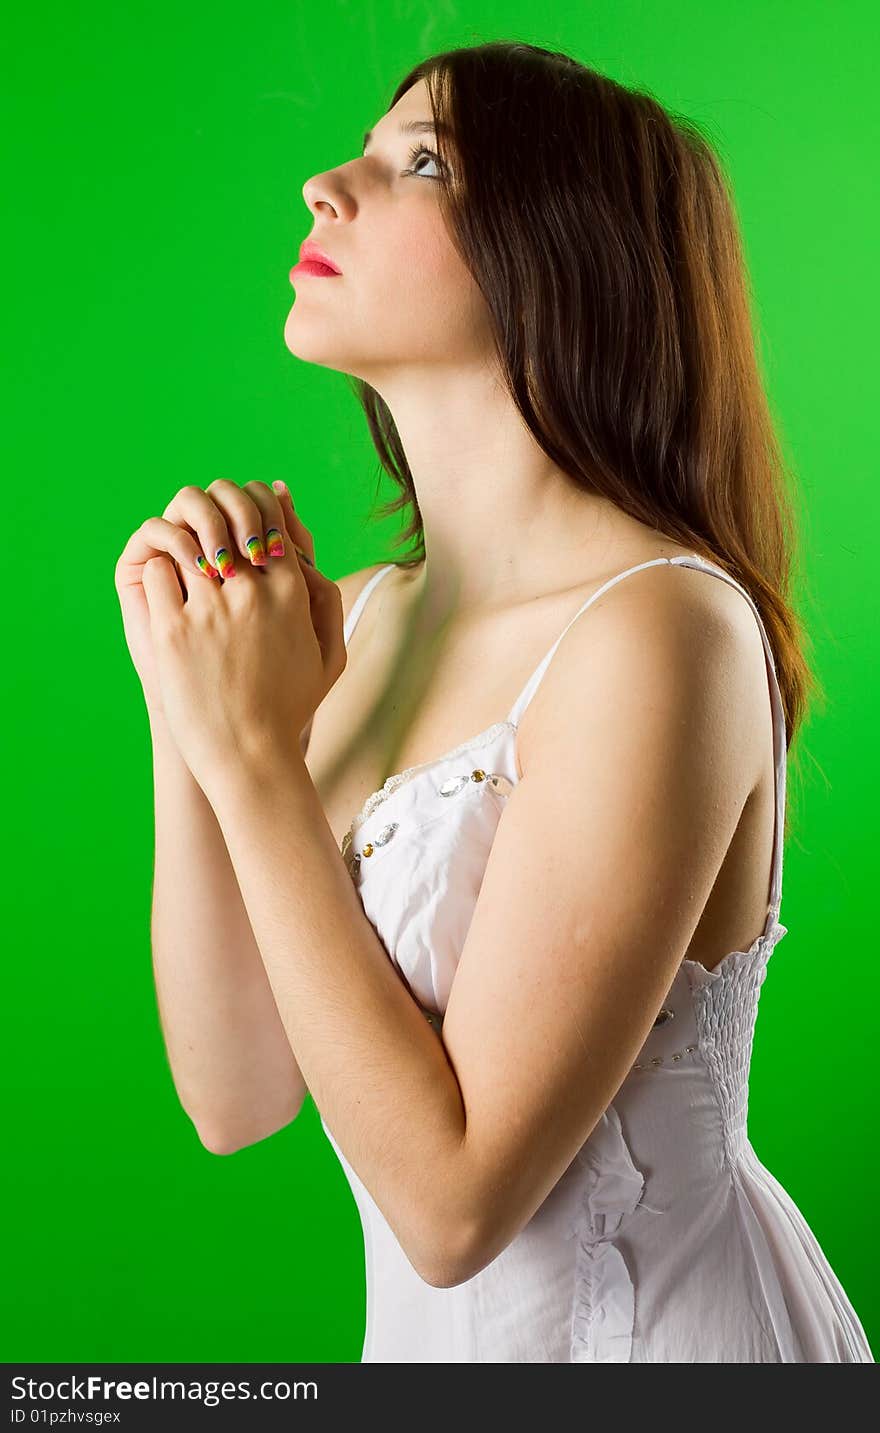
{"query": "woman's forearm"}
pixel 230 1058
pixel 377 1071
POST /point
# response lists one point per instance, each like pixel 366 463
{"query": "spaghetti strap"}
pixel 360 601
pixel 778 711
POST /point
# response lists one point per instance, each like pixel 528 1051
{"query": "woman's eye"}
pixel 416 154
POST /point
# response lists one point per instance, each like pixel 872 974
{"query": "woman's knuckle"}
pixel 182 500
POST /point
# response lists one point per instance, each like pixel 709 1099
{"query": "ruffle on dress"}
pixel 604 1296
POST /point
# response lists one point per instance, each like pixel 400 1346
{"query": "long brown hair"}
pixel 601 231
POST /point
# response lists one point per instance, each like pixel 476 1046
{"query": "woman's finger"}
pixel 226 521
pixel 156 535
pixel 266 501
pixel 244 520
pixel 300 535
pixel 195 512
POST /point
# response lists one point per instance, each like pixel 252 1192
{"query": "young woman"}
pixel 521 982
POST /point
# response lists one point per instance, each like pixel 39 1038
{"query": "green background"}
pixel 155 157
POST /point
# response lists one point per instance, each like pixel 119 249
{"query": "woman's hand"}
pixel 194 525
pixel 191 525
pixel 241 661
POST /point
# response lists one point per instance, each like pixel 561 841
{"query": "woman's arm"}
pixel 376 1069
pixel 229 1053
pixel 230 1057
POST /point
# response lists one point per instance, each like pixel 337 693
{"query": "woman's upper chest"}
pixel 406 699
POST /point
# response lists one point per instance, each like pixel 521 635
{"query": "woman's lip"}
pixel 314 269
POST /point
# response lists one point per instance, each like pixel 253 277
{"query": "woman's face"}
pixel 404 298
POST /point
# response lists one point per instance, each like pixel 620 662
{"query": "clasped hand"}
pixel 244 661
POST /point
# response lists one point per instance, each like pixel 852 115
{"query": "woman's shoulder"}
pixel 663 631
pixel 351 584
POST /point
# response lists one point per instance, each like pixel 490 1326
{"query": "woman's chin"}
pixel 307 341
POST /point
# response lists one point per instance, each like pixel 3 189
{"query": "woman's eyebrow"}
pixel 412 126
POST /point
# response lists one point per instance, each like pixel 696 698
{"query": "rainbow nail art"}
pixel 204 566
pixel 275 543
pixel 304 555
pixel 224 563
pixel 257 551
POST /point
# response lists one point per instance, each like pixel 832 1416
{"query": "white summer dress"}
pixel 666 1240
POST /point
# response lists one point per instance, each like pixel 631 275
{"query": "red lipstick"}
pixel 315 262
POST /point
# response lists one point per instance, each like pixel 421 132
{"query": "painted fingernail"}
pixel 257 551
pixel 224 563
pixel 304 555
pixel 204 565
pixel 274 543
